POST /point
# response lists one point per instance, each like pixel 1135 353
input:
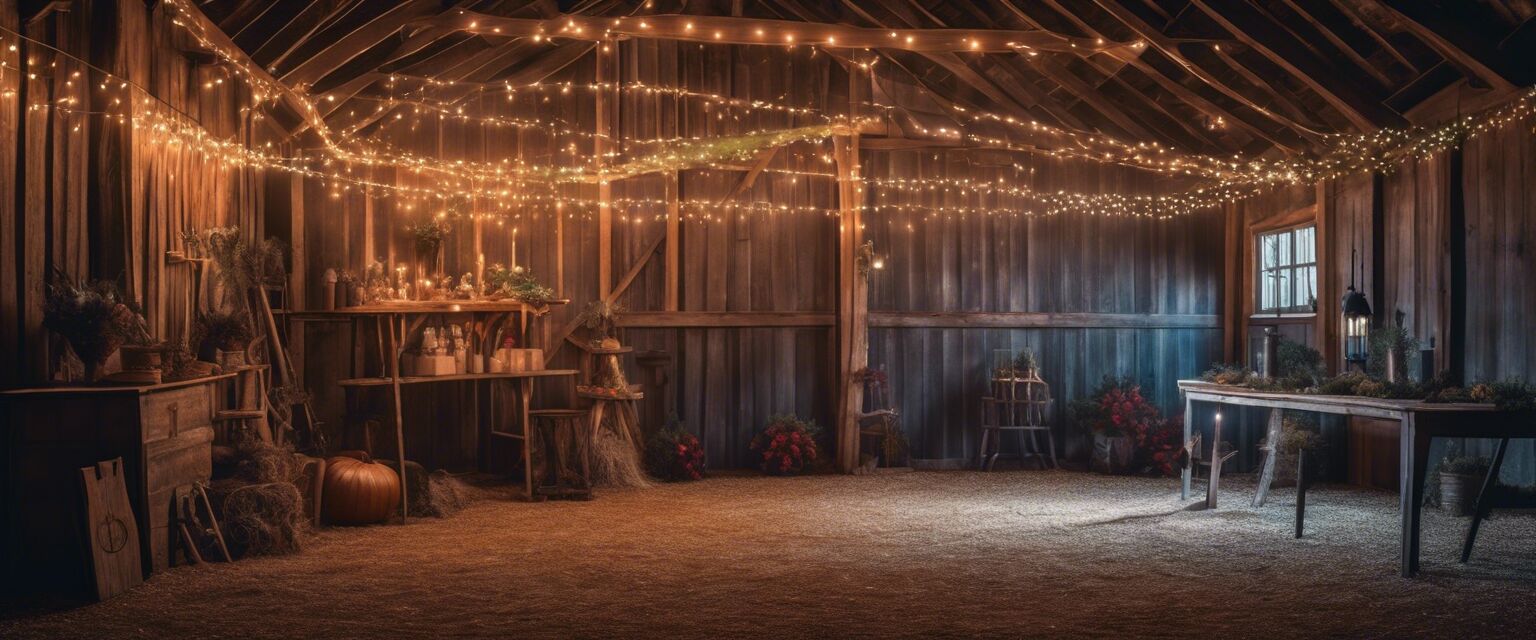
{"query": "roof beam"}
pixel 763 31
pixel 358 40
pixel 1276 132
pixel 1169 48
pixel 1254 28
pixel 1472 52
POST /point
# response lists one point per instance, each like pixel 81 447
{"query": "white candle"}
pixel 514 246
pixel 480 273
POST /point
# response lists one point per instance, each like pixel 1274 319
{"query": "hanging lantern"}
pixel 1357 326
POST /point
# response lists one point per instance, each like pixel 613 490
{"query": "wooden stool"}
pixel 562 435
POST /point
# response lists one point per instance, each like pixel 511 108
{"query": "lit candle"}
pixel 514 246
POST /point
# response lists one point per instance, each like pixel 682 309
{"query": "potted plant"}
pixel 1120 419
pixel 1026 365
pixel 601 317
pixel 94 318
pixel 786 445
pixel 1461 477
pixel 673 454
pixel 228 335
pixel 429 235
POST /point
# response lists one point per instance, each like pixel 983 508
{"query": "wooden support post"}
pixel 853 301
pixel 1232 320
pixel 1326 322
pixel 674 235
pixel 605 105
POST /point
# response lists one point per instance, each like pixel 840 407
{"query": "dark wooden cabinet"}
pixel 163 433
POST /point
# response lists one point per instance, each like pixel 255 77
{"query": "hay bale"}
pixel 432 495
pixel 615 462
pixel 260 510
pixel 259 519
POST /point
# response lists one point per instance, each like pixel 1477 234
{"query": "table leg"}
pixel 1272 449
pixel 1414 456
pixel 1189 467
pixel 525 392
pixel 1302 480
pixel 1484 499
pixel 394 376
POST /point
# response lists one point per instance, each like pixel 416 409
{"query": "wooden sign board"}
pixel 111 531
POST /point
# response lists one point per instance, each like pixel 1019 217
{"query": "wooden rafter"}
pixel 1276 132
pixel 358 40
pixel 1169 48
pixel 1472 52
pixel 1256 30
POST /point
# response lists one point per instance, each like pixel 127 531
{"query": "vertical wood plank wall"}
pixel 97 198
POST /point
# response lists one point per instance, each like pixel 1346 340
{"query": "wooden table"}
pixel 1419 423
pixel 398 319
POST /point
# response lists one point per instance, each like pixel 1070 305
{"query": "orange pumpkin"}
pixel 359 491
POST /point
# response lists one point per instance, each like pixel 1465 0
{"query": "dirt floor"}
pixel 952 554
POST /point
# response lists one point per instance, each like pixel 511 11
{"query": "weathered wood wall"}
pixel 94 196
pixel 1405 224
pixel 752 332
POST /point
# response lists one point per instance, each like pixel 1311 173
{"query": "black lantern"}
pixel 1357 324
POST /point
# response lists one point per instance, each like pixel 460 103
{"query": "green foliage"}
pixel 517 283
pixel 429 234
pixel 1226 373
pixel 1026 361
pixel 1393 339
pixel 1513 395
pixel 1299 365
pixel 601 317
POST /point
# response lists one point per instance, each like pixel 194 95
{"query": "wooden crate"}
pixel 163 434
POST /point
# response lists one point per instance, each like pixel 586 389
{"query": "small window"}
pixel 1288 270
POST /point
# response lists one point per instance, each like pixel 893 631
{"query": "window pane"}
pixel 1267 258
pixel 1306 245
pixel 1283 284
pixel 1306 285
pixel 1285 249
pixel 1267 294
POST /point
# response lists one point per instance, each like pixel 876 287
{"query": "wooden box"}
pixel 163 433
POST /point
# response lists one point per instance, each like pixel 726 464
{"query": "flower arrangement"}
pixel 94 317
pixel 1116 408
pixel 1117 411
pixel 517 283
pixel 673 454
pixel 787 444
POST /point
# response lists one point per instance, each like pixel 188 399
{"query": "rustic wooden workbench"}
pixel 1420 423
pixel 397 320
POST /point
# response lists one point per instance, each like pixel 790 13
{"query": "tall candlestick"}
pixel 480 273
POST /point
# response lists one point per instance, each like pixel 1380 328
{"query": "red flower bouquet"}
pixel 673 454
pixel 1117 409
pixel 787 445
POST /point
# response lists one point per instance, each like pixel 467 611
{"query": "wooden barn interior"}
pixel 778 318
